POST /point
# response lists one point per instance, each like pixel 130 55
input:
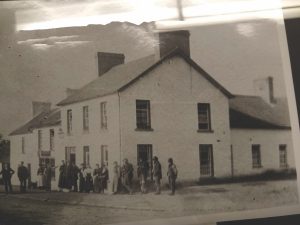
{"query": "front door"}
pixel 206 161
pixel 70 155
pixel 144 152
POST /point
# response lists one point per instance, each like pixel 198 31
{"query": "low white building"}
pixel 165 106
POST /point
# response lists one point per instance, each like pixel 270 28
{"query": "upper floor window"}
pixel 143 118
pixel 23 145
pixel 51 139
pixel 283 156
pixel 69 121
pixel 40 146
pixel 86 155
pixel 256 156
pixel 204 122
pixel 103 115
pixel 85 114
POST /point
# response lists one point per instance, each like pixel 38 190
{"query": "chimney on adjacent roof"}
pixel 170 40
pixel 70 91
pixel 38 107
pixel 107 60
pixel 265 89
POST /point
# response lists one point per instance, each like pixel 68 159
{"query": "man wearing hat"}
pixel 157 174
pixel 172 174
pixel 127 175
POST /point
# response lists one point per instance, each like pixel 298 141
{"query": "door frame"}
pixel 211 160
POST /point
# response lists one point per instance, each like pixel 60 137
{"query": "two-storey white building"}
pixel 168 106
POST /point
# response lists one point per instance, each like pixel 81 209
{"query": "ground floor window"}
pixel 70 154
pixel 86 155
pixel 283 156
pixel 144 152
pixel 206 160
pixel 104 155
pixel 256 156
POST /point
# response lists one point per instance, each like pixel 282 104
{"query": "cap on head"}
pixel 170 160
pixel 155 158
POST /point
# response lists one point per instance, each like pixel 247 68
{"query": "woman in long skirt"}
pixel 97 186
pixel 88 179
pixel 40 176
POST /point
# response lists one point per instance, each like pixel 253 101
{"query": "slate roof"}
pixel 120 77
pixel 254 112
pixel 44 119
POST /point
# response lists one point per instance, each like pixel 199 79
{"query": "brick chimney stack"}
pixel 38 107
pixel 170 40
pixel 265 89
pixel 107 60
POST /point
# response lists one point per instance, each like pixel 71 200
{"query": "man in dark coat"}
pixel 74 175
pixel 23 176
pixel 127 175
pixel 48 177
pixel 157 174
pixel 7 173
pixel 172 174
pixel 61 179
pixel 103 177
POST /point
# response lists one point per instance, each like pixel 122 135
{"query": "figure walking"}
pixel 172 174
pixel 157 174
pixel 7 173
pixel 23 176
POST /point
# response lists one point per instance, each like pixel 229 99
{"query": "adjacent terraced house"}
pixel 164 105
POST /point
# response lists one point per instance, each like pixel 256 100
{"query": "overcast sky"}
pixel 39 65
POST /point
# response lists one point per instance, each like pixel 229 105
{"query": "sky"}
pixel 48 46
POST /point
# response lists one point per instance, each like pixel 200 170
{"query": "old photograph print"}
pixel 126 122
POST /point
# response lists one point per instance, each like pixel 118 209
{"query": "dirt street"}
pixel 57 208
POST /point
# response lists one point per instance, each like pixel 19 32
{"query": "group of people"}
pixel 7 173
pixel 71 176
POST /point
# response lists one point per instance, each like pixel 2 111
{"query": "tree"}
pixel 4 150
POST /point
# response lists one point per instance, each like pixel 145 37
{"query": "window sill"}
pixel 146 129
pixel 205 131
pixel 257 167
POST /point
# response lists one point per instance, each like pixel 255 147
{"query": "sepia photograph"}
pixel 145 112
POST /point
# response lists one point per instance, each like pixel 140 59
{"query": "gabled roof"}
pixel 254 112
pixel 120 77
pixel 44 119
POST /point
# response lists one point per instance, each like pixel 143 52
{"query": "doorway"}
pixel 70 155
pixel 144 152
pixel 206 160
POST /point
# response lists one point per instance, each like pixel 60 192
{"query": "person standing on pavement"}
pixel 157 174
pixel 61 179
pixel 127 175
pixel 103 177
pixel 75 172
pixel 88 179
pixel 23 176
pixel 40 175
pixel 48 177
pixel 81 178
pixel 7 173
pixel 172 175
pixel 116 177
pixel 96 174
pixel 142 173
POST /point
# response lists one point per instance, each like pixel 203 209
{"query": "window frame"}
pixel 69 121
pixel 256 159
pixel 86 155
pixel 140 124
pixel 85 118
pixel 104 154
pixel 283 148
pixel 103 115
pixel 51 139
pixel 23 145
pixel 40 140
pixel 208 115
